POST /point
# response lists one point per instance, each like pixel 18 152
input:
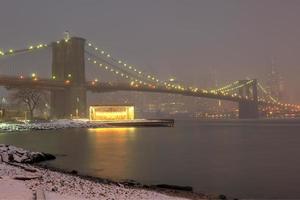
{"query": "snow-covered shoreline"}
pixel 81 123
pixel 20 180
pixel 51 125
pixel 26 185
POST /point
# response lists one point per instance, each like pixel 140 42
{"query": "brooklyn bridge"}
pixel 68 84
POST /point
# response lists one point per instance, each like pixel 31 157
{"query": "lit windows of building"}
pixel 111 112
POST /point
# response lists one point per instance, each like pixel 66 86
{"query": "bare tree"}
pixel 32 98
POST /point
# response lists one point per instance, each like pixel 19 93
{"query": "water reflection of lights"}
pixel 113 130
pixel 111 149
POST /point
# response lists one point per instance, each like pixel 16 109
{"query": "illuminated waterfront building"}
pixel 111 112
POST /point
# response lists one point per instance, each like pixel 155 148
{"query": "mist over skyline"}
pixel 184 39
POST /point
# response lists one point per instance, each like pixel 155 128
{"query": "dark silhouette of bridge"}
pixel 68 84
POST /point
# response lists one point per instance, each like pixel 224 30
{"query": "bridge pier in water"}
pixel 68 65
pixel 249 109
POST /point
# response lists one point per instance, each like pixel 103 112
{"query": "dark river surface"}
pixel 255 161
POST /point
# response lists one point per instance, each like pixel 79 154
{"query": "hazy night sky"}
pixel 183 38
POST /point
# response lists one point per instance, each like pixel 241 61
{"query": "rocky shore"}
pixel 11 154
pixel 21 179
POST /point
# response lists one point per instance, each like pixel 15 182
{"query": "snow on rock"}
pixel 9 153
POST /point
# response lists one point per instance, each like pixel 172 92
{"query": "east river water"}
pixel 253 161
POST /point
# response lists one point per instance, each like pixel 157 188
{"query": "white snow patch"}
pixel 53 124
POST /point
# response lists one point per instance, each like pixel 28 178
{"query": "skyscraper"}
pixel 275 83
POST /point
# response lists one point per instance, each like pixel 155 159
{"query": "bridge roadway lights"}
pixel 68 64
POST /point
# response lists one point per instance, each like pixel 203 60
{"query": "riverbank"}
pixel 82 123
pixel 28 181
pixel 50 125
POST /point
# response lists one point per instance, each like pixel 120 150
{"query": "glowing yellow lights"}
pixel 111 113
pixel 33 75
pixel 124 64
pixel 53 77
pixel 31 47
pixel 141 78
pixel 11 51
pixel 69 75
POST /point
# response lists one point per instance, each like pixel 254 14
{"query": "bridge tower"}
pixel 68 65
pixel 249 109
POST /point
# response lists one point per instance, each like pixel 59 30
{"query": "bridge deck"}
pixel 50 84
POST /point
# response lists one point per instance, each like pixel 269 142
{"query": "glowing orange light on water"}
pixel 117 130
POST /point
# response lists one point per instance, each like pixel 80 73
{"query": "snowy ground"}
pixel 53 124
pixel 53 185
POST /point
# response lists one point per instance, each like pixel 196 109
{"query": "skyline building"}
pixel 275 84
